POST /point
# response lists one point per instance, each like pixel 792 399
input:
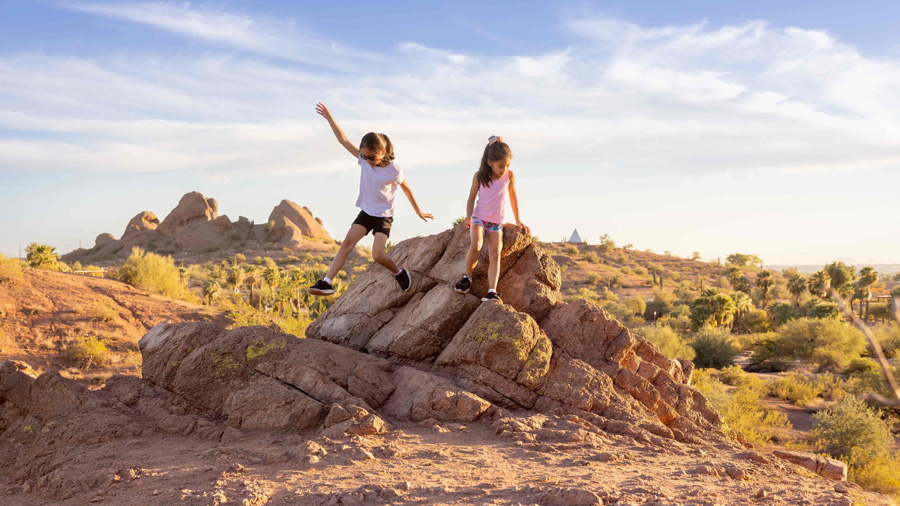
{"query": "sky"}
pixel 764 127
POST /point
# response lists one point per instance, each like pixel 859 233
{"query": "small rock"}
pixel 762 493
pixel 840 487
pixel 237 468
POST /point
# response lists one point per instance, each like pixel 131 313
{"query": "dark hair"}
pixel 494 151
pixel 377 142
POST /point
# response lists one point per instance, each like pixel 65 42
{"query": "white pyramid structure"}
pixel 575 237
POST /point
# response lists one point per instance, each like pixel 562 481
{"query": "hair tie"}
pixel 494 139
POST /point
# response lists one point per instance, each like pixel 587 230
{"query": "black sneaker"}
pixel 464 284
pixel 491 296
pixel 404 279
pixel 321 288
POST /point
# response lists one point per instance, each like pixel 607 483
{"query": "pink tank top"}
pixel 491 203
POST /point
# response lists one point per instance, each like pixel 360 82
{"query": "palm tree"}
pixel 733 274
pixel 272 277
pixel 211 291
pixel 41 256
pixel 867 277
pixel 842 277
pixel 796 285
pixel 742 303
pixel 818 282
pixel 764 281
pixel 236 276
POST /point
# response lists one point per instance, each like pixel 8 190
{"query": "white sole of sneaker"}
pixel 315 291
pixel 461 291
pixel 485 299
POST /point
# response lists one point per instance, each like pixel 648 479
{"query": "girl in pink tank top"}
pixel 492 184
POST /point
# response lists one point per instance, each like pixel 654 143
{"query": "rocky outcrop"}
pixel 195 227
pixel 290 223
pixel 142 222
pixel 823 466
pixel 104 239
pixel 192 208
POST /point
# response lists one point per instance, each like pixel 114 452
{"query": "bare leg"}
pixel 476 233
pixel 355 233
pixel 378 253
pixel 495 244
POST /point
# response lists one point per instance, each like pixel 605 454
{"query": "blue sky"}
pixel 762 127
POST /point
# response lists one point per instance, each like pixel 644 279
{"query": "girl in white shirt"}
pixel 378 181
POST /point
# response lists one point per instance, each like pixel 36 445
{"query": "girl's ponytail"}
pixel 388 147
pixel 495 150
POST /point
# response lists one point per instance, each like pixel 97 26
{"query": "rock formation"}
pixel 194 226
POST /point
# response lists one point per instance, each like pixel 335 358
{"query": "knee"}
pixel 475 246
pixel 378 256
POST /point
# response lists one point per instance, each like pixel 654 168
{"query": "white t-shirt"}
pixel 377 188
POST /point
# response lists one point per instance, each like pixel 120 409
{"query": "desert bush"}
pixel 640 270
pixel 749 342
pixel 755 321
pixel 741 409
pixel 667 340
pixel 102 312
pixel 888 337
pixel 152 272
pixel 735 376
pixel 781 313
pixel 588 295
pixel 614 280
pixel 677 322
pixel 90 352
pixel 591 257
pixel 795 388
pixel 817 308
pixel 826 343
pixel 623 313
pixel 10 270
pixel 41 256
pixel 660 305
pixel 851 431
pixel 879 474
pixel 637 304
pixel 571 251
pixel 593 279
pixel 713 348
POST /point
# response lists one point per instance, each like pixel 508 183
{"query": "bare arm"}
pixel 412 200
pixel 321 109
pixel 470 204
pixel 513 199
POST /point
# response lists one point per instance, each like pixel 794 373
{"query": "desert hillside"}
pixel 423 397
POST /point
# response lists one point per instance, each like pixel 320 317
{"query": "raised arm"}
pixel 513 199
pixel 412 200
pixel 349 146
pixel 470 204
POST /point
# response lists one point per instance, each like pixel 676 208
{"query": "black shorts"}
pixel 375 223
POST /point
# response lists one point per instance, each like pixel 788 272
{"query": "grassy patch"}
pixel 90 352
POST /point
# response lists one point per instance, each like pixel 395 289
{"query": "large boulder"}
pixel 143 221
pixel 104 240
pixel 530 352
pixel 192 208
pixel 291 222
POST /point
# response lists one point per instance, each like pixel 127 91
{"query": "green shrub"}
pixel 713 348
pixel 851 431
pixel 622 312
pixel 888 337
pixel 755 321
pixel 637 304
pixel 749 342
pixel 90 352
pixel 828 344
pixel 741 409
pixel 103 312
pixel 781 313
pixel 677 322
pixel 591 257
pixel 735 376
pixel 879 474
pixel 593 279
pixel 660 305
pixel 10 270
pixel 667 340
pixel 795 388
pixel 152 272
pixel 571 251
pixel 817 308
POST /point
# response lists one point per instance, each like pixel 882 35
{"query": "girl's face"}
pixel 373 156
pixel 499 167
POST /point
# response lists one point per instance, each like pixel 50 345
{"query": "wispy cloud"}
pixel 689 99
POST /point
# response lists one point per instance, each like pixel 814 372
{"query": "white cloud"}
pixel 681 99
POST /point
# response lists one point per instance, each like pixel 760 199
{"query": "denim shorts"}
pixel 487 225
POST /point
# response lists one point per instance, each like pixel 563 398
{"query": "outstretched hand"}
pixel 426 216
pixel 322 110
